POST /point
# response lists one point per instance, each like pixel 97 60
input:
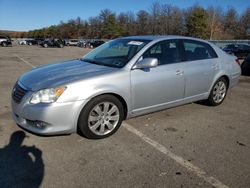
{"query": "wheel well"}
pixel 124 104
pixel 227 79
pixel 121 99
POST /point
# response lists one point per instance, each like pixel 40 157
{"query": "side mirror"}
pixel 146 63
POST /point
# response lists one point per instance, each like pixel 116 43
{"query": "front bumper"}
pixel 57 118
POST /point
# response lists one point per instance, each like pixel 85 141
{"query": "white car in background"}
pixel 22 42
pixel 5 41
pixel 72 42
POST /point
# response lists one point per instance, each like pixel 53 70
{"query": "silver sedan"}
pixel 123 78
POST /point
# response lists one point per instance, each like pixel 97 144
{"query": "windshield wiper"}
pixel 97 62
pixel 90 61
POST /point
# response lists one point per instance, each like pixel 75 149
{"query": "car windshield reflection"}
pixel 115 53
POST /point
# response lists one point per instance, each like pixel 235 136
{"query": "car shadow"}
pixel 20 165
pixel 202 103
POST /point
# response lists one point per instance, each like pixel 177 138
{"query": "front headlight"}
pixel 47 95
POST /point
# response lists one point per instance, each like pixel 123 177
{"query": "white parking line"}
pixel 189 166
pixel 26 62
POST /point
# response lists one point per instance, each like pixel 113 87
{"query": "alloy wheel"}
pixel 219 92
pixel 103 118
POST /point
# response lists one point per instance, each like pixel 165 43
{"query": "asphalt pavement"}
pixel 188 146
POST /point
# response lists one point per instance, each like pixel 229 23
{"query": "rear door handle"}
pixel 178 72
pixel 215 67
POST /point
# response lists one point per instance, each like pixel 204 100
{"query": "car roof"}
pixel 160 37
pixel 4 36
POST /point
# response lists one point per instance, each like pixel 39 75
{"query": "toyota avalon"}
pixel 120 79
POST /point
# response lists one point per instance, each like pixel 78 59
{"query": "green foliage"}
pixel 197 22
pixel 109 25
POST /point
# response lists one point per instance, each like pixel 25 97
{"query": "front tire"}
pixel 101 117
pixel 218 92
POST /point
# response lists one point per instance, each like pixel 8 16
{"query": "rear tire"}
pixel 4 44
pixel 218 92
pixel 101 117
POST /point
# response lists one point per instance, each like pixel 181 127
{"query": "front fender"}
pixel 118 84
pixel 110 89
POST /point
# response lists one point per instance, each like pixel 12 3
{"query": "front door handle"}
pixel 178 72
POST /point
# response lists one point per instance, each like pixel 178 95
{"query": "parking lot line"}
pixel 178 159
pixel 26 62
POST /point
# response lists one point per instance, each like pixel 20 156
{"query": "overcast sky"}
pixel 24 15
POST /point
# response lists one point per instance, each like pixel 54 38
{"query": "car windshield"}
pixel 116 53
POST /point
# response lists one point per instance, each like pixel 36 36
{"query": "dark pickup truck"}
pixel 5 41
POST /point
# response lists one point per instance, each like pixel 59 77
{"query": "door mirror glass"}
pixel 146 63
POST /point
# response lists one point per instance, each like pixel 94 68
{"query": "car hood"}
pixel 61 73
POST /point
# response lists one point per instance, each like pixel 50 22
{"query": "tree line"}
pixel 160 19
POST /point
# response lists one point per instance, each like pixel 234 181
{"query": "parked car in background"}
pixel 31 42
pixel 245 66
pixel 71 42
pixel 239 50
pixel 82 44
pixel 5 41
pixel 27 42
pixel 22 42
pixel 123 78
pixel 39 40
pixel 52 43
pixel 94 44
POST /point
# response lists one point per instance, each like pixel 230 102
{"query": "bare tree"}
pixel 230 23
pixel 161 18
pixel 142 24
pixel 172 20
pixel 132 23
pixel 123 23
pixel 165 17
pixel 214 21
pixel 244 24
pixel 155 23
pixel 95 26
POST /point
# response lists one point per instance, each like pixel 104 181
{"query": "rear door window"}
pixel 196 50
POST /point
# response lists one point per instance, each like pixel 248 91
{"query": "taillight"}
pixel 237 61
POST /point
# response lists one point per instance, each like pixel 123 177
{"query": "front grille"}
pixel 18 93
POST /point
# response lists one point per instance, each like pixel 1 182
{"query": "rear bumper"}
pixel 234 79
